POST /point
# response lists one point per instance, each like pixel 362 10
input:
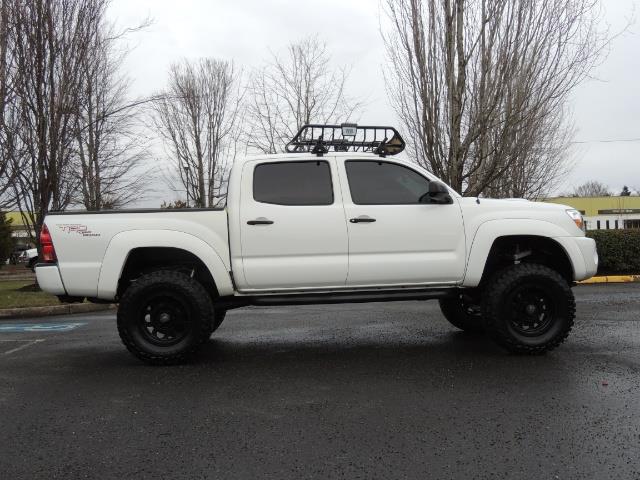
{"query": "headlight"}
pixel 576 216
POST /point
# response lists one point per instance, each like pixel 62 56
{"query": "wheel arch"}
pixel 132 253
pixel 506 250
pixel 512 239
pixel 142 260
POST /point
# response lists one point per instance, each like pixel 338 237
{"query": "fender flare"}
pixel 123 243
pixel 489 231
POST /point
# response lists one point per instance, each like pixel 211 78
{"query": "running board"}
pixel 335 297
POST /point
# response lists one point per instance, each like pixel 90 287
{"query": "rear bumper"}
pixel 49 278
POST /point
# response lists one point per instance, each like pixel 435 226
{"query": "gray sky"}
pixel 605 108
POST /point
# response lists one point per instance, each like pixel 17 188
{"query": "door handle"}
pixel 260 221
pixel 362 219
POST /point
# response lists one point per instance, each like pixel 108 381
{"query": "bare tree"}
pixel 198 119
pixel 592 188
pixel 6 105
pixel 50 43
pixel 110 147
pixel 301 87
pixel 4 44
pixel 544 165
pixel 66 126
pixel 481 86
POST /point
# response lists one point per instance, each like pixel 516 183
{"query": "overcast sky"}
pixel 605 108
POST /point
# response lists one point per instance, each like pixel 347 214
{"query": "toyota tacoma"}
pixel 336 219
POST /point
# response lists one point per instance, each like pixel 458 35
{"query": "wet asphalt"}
pixel 342 391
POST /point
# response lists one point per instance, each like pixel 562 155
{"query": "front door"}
pixel 293 231
pixel 395 238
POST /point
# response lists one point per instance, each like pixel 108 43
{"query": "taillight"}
pixel 46 244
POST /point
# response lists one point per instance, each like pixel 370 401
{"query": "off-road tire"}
pixel 545 297
pixel 458 313
pixel 176 293
pixel 218 318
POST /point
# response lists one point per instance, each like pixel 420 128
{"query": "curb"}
pixel 612 279
pixel 17 278
pixel 25 312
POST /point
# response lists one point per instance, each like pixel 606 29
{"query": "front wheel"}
pixel 528 308
pixel 164 316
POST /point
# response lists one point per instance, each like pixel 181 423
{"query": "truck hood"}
pixel 512 203
pixel 476 212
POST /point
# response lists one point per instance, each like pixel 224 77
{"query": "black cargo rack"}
pixel 347 137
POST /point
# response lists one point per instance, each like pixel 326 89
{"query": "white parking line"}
pixel 27 343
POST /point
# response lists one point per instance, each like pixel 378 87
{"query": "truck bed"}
pixel 88 242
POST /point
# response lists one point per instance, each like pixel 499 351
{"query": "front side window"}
pixel 382 183
pixel 293 183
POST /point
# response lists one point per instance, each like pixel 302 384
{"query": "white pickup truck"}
pixel 337 220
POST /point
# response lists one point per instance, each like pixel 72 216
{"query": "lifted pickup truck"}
pixel 336 220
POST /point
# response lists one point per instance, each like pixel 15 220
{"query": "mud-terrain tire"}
pixel 164 316
pixel 528 308
pixel 462 314
pixel 218 318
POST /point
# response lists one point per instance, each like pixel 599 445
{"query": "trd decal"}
pixel 77 228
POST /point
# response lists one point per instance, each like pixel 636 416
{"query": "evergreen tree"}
pixel 6 240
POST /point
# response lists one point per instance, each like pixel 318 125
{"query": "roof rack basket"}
pixel 347 137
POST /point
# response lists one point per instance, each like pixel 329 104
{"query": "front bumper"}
pixel 590 255
pixel 583 254
pixel 49 278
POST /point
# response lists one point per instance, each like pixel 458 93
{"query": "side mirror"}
pixel 437 194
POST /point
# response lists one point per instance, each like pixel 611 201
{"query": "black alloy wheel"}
pixel 164 317
pixel 528 308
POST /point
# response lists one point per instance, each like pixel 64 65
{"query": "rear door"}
pixel 394 238
pixel 293 230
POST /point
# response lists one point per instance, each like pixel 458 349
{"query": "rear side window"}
pixel 293 183
pixel 384 183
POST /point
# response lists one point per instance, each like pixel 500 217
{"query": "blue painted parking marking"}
pixel 40 327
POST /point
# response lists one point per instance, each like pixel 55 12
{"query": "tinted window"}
pixel 383 183
pixel 293 183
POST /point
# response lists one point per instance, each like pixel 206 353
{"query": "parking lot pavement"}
pixel 340 391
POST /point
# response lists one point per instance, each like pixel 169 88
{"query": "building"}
pixel 605 213
pixel 18 229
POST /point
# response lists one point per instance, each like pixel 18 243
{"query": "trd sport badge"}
pixel 77 228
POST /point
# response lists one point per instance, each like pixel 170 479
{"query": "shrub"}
pixel 619 251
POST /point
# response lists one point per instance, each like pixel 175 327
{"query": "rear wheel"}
pixel 528 308
pixel 463 312
pixel 164 316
